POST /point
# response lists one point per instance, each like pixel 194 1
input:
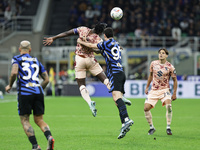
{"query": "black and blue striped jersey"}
pixel 28 74
pixel 111 51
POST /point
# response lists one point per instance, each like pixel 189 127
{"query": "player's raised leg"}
pixel 125 120
pixel 125 127
pixel 85 94
pixel 102 77
pixel 126 101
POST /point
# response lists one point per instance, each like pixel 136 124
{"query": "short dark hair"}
pixel 108 32
pixel 164 49
pixel 99 27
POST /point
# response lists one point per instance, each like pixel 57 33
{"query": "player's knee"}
pixel 83 90
pixel 107 83
pixel 24 122
pixel 147 107
pixel 116 95
pixel 36 121
pixel 169 107
pixel 82 87
pixel 24 119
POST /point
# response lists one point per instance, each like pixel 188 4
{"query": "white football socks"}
pixel 85 94
pixel 168 114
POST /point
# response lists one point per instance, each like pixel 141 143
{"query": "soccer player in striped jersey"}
pixel 30 92
pixel 111 51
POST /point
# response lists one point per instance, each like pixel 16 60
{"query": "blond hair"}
pixel 25 45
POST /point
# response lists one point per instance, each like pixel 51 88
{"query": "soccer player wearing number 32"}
pixel 30 93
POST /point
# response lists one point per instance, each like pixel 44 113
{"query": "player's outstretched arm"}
pixel 175 88
pixel 13 76
pixel 49 41
pixel 45 78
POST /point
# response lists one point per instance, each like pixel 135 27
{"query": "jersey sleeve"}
pixel 151 67
pixel 42 69
pixel 101 46
pixel 173 71
pixel 14 61
pixel 80 30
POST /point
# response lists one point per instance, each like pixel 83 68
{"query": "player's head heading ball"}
pixel 99 28
pixel 164 49
pixel 108 32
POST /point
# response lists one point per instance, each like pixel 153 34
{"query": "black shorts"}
pixel 117 82
pixel 27 103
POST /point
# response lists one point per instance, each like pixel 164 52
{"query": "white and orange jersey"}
pixel 84 51
pixel 161 74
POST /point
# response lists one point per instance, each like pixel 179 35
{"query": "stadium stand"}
pixel 153 23
pixel 146 24
pixel 143 24
pixel 153 17
pixel 59 16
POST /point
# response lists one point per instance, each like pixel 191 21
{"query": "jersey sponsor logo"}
pixel 32 85
pixel 159 73
pixel 29 59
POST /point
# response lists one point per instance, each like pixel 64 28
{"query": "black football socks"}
pixel 122 110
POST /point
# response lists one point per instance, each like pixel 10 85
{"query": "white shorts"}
pixel 83 64
pixel 155 95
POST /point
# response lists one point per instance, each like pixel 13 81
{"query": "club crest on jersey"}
pixel 156 68
pixel 119 65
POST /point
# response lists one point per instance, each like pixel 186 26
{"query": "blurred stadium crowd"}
pixel 11 8
pixel 174 18
pixel 141 17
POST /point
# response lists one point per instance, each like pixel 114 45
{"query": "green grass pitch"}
pixel 74 127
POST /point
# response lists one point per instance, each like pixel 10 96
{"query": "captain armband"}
pixel 75 31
